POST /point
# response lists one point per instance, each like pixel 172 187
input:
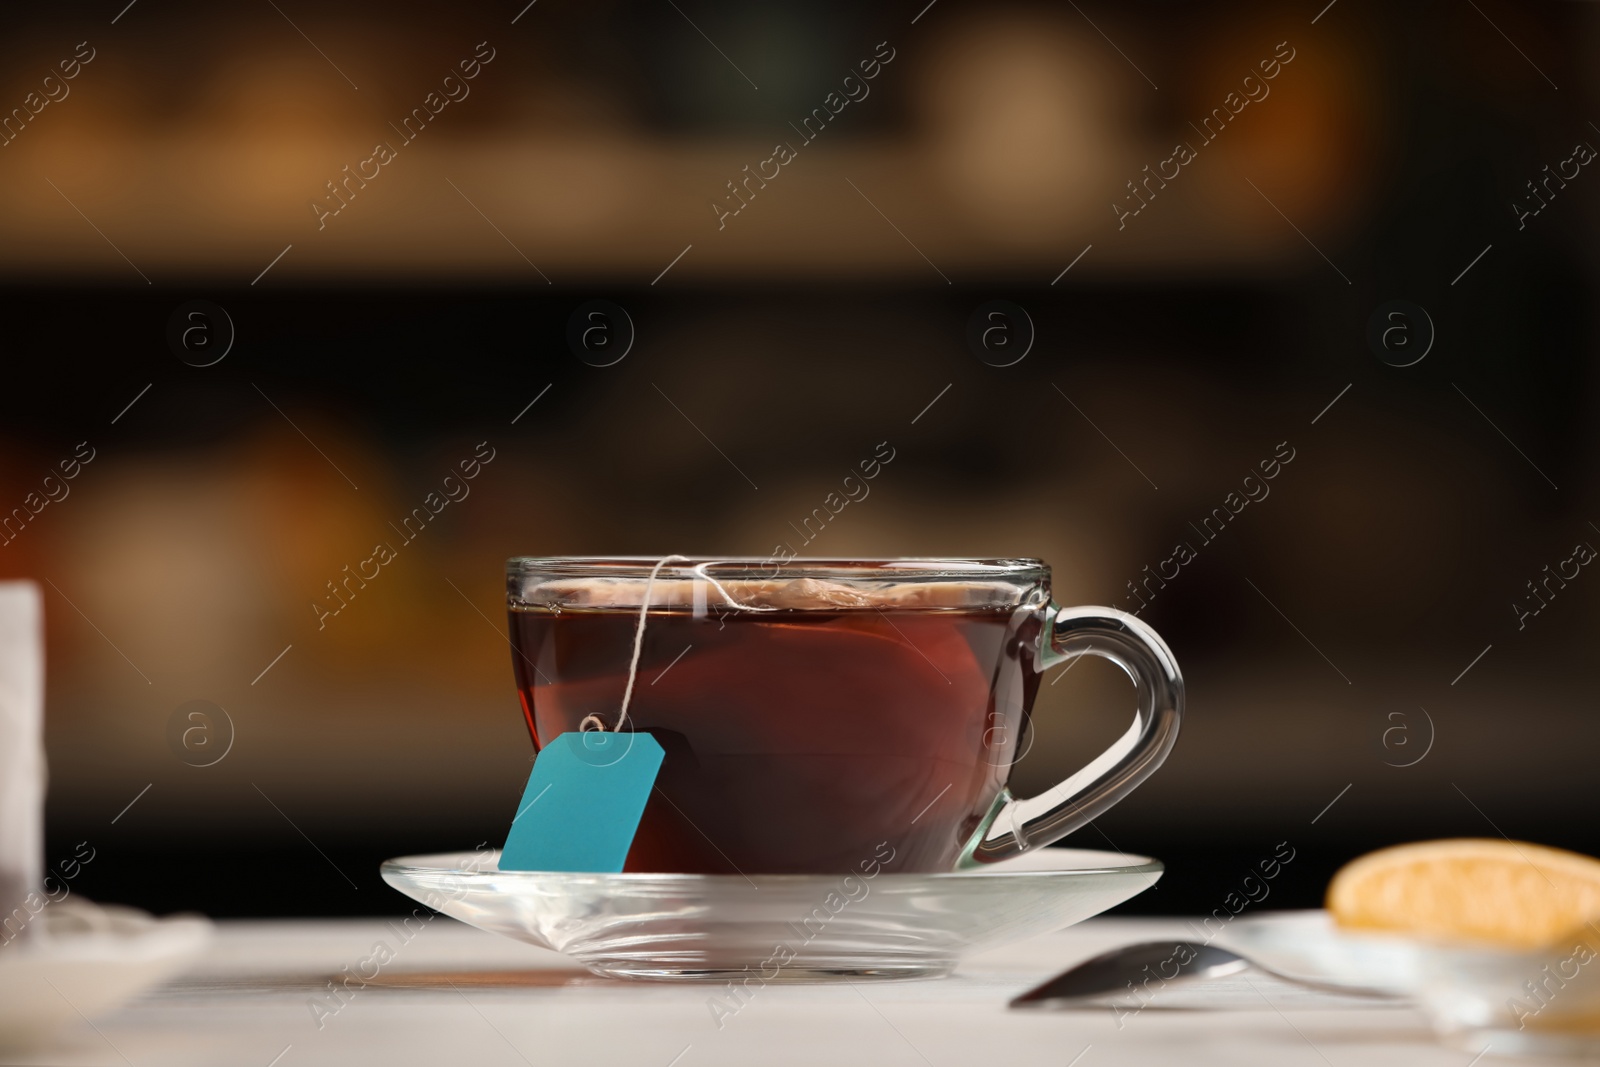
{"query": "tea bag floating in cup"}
pixel 719 594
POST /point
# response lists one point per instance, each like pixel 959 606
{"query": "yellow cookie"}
pixel 1503 892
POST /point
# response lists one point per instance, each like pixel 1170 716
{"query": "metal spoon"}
pixel 1154 965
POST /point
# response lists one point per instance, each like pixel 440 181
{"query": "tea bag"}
pixel 587 792
pixel 767 594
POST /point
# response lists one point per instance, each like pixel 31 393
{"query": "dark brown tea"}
pixel 797 740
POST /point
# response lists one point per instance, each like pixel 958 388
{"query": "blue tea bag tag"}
pixel 583 802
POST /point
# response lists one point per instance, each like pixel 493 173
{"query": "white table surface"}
pixel 248 1003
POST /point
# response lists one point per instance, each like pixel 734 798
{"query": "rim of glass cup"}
pixel 895 568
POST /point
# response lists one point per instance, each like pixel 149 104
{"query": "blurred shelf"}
pixel 567 210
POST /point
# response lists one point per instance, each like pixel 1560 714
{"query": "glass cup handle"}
pixel 1019 824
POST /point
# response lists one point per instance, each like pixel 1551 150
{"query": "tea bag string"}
pixel 594 721
pixel 638 644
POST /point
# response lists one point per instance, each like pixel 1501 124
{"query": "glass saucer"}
pixel 775 927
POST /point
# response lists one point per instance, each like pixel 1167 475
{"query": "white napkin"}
pixel 21 745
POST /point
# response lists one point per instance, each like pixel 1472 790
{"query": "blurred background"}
pixel 1366 659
